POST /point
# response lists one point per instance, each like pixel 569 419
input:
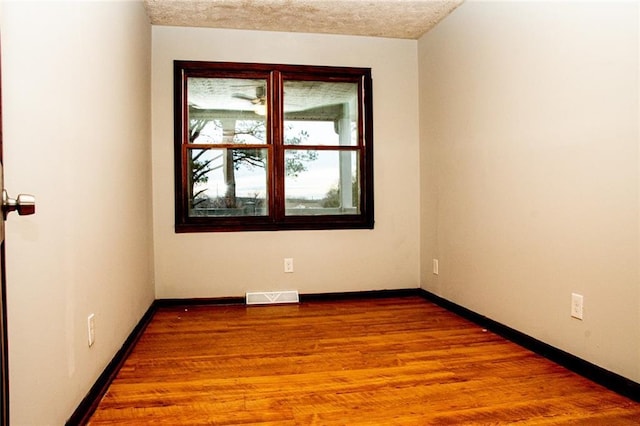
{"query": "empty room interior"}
pixel 505 175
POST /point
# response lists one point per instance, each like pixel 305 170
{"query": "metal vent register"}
pixel 272 297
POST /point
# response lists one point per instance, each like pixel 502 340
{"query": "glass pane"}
pixel 325 183
pixel 228 182
pixel 320 113
pixel 227 110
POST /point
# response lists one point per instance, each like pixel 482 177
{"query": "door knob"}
pixel 25 204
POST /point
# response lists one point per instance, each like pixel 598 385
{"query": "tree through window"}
pixel 268 147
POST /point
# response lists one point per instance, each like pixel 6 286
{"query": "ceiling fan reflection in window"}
pixel 259 100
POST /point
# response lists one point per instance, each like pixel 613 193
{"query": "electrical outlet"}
pixel 91 329
pixel 577 305
pixel 288 265
pixel 435 266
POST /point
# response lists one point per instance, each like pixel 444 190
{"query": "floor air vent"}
pixel 271 297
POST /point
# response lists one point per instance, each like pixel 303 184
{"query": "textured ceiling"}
pixel 407 19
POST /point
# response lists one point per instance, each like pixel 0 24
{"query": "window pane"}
pixel 320 113
pixel 325 183
pixel 228 182
pixel 227 110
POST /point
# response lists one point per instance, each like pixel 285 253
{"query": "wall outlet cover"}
pixel 577 305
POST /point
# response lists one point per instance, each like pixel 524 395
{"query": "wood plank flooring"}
pixel 394 361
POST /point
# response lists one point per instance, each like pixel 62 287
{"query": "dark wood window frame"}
pixel 276 219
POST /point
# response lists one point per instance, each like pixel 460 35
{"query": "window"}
pixel 272 147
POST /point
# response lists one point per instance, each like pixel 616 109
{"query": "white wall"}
pixel 229 264
pixel 76 112
pixel 529 145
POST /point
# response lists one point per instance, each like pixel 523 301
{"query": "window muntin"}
pixel 267 147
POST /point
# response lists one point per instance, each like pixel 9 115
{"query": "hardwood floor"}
pixel 394 361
